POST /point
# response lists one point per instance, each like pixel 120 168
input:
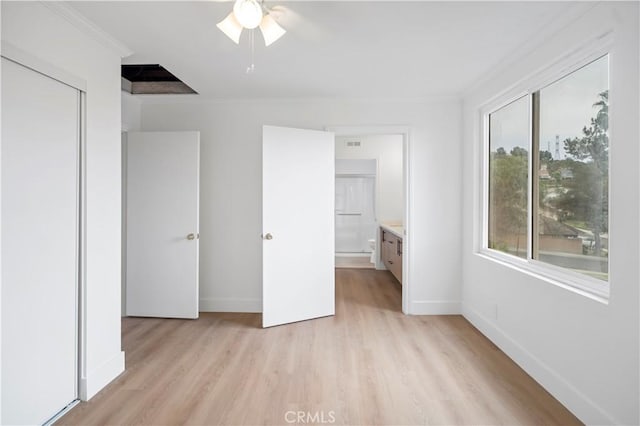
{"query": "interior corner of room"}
pixel 300 201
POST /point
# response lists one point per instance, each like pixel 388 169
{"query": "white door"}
pixel 163 170
pixel 298 169
pixel 40 239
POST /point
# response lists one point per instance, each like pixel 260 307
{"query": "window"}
pixel 559 215
pixel 508 178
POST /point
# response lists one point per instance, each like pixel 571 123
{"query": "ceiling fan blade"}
pixel 270 29
pixel 295 20
pixel 231 27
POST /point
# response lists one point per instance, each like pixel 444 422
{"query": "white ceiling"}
pixel 332 48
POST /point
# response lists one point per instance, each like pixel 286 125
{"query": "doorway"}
pixel 355 211
pixel 298 233
pixel 387 246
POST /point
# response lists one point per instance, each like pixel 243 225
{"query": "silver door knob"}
pixel 268 236
pixel 191 237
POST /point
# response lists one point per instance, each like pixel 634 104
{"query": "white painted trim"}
pixel 600 44
pixel 1 283
pixel 123 236
pixel 80 254
pixel 198 98
pixel 88 27
pixel 578 403
pixel 231 304
pixel 435 307
pixel 591 50
pixel 82 270
pixel 575 282
pixel 98 379
pixel 572 13
pixel 19 56
pixel 198 223
pixel 405 132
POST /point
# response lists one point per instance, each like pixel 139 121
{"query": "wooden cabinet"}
pixel 391 252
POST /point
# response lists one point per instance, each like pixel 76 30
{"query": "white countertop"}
pixel 397 230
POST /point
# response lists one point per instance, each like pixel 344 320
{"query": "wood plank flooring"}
pixel 353 262
pixel 369 364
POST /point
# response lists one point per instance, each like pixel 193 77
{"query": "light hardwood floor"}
pixel 353 262
pixel 369 364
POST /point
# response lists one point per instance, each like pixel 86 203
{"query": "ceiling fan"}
pixel 250 14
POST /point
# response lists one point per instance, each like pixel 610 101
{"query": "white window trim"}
pixel 584 285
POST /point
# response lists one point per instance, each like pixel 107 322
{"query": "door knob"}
pixel 268 236
pixel 191 237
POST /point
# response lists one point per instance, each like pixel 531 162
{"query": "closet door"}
pixel 163 193
pixel 39 232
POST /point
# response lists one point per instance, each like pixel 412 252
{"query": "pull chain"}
pixel 251 68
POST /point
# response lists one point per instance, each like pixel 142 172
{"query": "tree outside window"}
pixel 570 145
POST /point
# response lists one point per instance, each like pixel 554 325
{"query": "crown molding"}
pixel 78 20
pixel 572 13
pixel 203 99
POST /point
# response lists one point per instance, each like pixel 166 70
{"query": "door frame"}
pixel 405 132
pixel 32 62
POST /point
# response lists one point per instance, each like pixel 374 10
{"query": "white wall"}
pixel 583 351
pixel 131 112
pixel 387 150
pixel 130 122
pixel 231 158
pixel 43 32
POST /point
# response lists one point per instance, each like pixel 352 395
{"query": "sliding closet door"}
pixel 39 228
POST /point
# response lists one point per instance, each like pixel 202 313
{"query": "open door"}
pixel 162 224
pixel 298 172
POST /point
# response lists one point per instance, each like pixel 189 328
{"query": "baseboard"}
pixel 231 305
pixel 434 307
pixel 98 379
pixel 574 400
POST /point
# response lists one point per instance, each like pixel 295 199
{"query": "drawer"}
pixel 395 266
pixel 391 252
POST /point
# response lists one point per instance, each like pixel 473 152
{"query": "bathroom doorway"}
pixel 372 215
pixel 355 212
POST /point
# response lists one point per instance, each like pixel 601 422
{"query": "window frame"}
pixel 585 285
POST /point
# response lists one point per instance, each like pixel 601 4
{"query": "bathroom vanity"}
pixel 391 249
